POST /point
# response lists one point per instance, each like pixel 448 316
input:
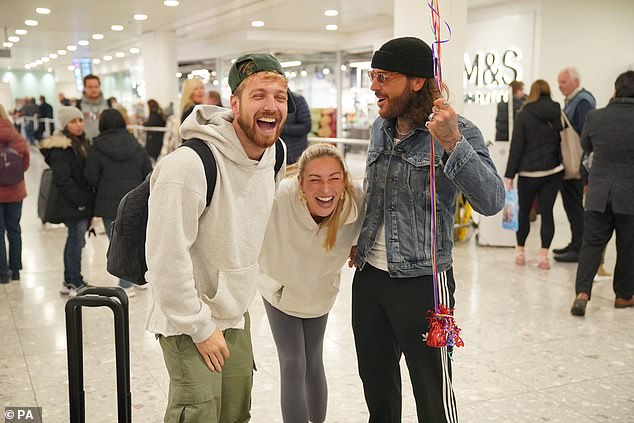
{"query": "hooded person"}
pixel 66 152
pixel 202 261
pixel 117 163
pixel 535 156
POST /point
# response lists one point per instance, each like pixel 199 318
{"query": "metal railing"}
pixel 36 123
pixel 138 129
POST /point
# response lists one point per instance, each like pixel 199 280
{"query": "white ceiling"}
pixel 204 28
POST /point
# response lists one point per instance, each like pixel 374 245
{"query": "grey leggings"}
pixel 299 342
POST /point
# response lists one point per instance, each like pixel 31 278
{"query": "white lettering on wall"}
pixel 487 75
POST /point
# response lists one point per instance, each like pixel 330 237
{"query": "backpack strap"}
pixel 279 155
pixel 209 163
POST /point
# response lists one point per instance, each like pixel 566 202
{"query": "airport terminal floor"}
pixel 526 358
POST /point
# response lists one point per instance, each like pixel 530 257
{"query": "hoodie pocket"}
pixel 236 290
pixel 314 301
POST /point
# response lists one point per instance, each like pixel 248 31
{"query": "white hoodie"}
pixel 202 262
pixel 298 276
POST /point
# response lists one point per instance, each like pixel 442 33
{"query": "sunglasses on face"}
pixel 381 77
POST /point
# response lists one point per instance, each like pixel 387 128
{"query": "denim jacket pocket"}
pixel 236 290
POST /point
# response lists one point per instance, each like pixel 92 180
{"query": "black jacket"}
pixel 296 129
pixel 117 164
pixel 502 118
pixel 536 144
pixel 75 195
pixel 609 134
pixel 154 139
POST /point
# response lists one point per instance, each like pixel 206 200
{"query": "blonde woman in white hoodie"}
pixel 316 218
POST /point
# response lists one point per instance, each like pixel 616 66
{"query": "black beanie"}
pixel 407 55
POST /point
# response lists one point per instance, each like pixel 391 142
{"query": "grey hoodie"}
pixel 203 262
pixel 91 109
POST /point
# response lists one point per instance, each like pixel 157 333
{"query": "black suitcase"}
pixel 117 300
pixel 47 199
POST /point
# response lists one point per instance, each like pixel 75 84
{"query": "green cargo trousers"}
pixel 198 395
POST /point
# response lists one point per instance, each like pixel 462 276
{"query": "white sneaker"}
pixel 65 288
pixel 70 290
pixel 129 291
pixel 141 287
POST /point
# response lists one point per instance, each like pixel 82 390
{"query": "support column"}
pixel 160 66
pixel 412 18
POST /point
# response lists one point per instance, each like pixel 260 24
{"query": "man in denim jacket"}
pixel 392 288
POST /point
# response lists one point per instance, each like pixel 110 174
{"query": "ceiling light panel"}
pixel 331 27
pixel 331 12
pixel 171 3
pixel 97 36
pixel 31 22
pixel 116 27
pixel 71 48
pixel 257 24
pixel 83 42
pixel 140 17
pixel 43 11
pixel 21 32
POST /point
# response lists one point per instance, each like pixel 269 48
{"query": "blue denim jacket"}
pixel 397 187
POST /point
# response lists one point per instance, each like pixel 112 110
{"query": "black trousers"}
pixel 545 190
pixel 572 197
pixel 388 320
pixel 598 231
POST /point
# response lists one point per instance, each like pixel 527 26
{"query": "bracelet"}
pixel 454 147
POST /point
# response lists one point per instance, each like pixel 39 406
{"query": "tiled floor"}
pixel 526 358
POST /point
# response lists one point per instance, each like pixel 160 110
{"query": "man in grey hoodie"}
pixel 202 262
pixel 91 104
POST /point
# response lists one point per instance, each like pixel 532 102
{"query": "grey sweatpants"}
pixel 299 342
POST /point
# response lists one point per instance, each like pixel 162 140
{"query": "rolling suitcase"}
pixel 117 300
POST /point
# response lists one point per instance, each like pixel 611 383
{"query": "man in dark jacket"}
pixel 296 130
pixel 45 111
pixel 578 103
pixel 609 202
pixel 502 118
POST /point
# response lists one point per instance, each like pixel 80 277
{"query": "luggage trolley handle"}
pixel 75 350
pixel 120 294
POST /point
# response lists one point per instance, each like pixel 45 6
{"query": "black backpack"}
pixel 126 252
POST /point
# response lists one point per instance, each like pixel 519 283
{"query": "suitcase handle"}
pixel 117 301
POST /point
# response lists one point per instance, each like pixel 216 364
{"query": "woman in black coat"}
pixel 154 139
pixel 535 156
pixel 66 152
pixel 117 164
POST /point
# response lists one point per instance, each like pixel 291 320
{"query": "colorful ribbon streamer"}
pixel 442 328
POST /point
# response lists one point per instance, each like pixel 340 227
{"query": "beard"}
pixel 250 128
pixel 399 106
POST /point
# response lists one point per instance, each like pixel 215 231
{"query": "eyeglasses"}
pixel 381 77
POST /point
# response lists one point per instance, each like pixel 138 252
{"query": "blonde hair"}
pixel 3 112
pixel 189 87
pixel 538 89
pixel 338 216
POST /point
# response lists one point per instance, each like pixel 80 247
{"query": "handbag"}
pixel 571 150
